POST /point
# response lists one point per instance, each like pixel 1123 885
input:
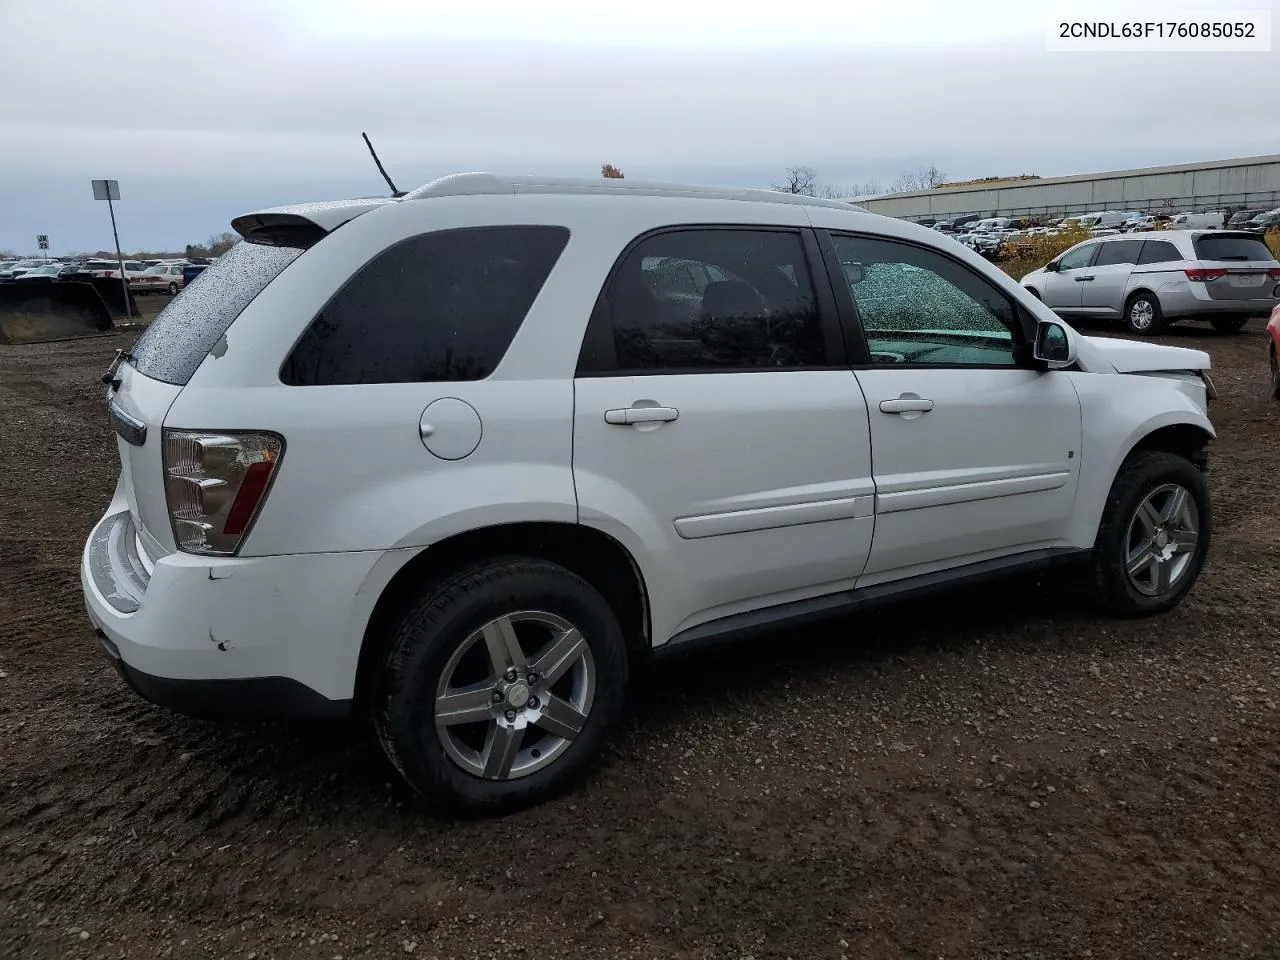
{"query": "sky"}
pixel 204 111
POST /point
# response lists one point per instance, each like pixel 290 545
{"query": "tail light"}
pixel 1275 273
pixel 1207 274
pixel 215 484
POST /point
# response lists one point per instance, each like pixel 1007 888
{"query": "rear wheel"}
pixel 1275 374
pixel 1142 314
pixel 1228 324
pixel 1154 535
pixel 501 685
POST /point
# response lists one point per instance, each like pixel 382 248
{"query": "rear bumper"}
pixel 251 698
pixel 1187 299
pixel 244 636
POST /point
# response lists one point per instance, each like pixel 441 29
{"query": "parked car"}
pixel 1265 221
pixel 48 271
pixel 543 509
pixel 111 269
pixel 162 278
pixel 1219 276
pixel 1103 219
pixel 1240 218
pixel 1197 221
pixel 1273 345
pixel 19 267
pixel 192 270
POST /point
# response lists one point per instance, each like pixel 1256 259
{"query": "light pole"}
pixel 109 190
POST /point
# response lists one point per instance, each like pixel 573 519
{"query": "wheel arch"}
pixel 1136 291
pixel 590 553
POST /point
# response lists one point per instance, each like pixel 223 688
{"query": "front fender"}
pixel 1119 411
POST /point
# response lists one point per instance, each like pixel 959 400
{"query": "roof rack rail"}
pixel 470 184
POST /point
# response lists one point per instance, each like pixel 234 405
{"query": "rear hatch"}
pixel 149 377
pixel 1235 265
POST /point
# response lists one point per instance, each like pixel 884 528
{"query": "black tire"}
pixel 1139 476
pixel 173 289
pixel 1133 325
pixel 1275 374
pixel 437 625
pixel 1228 324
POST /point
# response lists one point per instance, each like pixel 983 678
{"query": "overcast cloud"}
pixel 205 111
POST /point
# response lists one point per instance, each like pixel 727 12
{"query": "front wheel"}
pixel 1142 314
pixel 501 685
pixel 1154 535
pixel 173 289
pixel 1275 375
pixel 1228 324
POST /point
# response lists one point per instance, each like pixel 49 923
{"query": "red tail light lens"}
pixel 1204 275
pixel 1275 273
pixel 215 484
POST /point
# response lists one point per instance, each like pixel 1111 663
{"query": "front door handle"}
pixel 630 415
pixel 1083 279
pixel 909 405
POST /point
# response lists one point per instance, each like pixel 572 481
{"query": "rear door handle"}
pixel 908 403
pixel 629 415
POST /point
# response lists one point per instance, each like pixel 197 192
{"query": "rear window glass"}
pixel 443 306
pixel 182 335
pixel 1219 247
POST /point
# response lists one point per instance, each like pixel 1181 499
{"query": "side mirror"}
pixel 854 273
pixel 1054 346
pixel 1052 266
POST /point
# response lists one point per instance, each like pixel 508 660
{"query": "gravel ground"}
pixel 996 773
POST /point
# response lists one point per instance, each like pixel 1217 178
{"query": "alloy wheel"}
pixel 515 694
pixel 1142 314
pixel 1161 540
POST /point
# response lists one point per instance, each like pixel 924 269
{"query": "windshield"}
pixel 182 334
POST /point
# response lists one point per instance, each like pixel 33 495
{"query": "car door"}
pixel 975 451
pixel 1063 288
pixel 728 448
pixel 1103 292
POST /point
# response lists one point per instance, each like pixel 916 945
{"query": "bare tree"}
pixel 926 178
pixel 801 180
pixel 610 172
pixel 805 181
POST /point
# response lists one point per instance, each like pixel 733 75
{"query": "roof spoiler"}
pixel 302 224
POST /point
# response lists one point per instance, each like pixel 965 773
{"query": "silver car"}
pixel 1222 276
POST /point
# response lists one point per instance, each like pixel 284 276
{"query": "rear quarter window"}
pixel 1241 248
pixel 184 332
pixel 442 306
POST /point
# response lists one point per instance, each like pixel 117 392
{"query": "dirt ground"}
pixel 994 774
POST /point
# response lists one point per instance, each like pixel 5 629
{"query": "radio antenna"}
pixel 381 169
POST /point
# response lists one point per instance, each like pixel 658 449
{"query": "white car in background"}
pixel 1150 280
pixel 457 459
pixel 161 278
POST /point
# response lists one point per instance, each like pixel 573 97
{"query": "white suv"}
pixel 458 457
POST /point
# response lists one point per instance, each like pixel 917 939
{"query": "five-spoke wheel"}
pixel 500 684
pixel 502 712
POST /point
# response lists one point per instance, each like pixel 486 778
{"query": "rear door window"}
pixel 1159 251
pixel 442 306
pixel 1230 247
pixel 748 303
pixel 182 335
